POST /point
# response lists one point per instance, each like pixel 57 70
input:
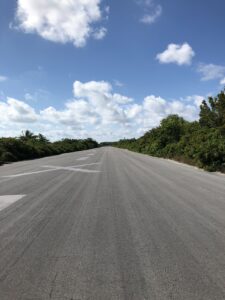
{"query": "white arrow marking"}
pixel 7 200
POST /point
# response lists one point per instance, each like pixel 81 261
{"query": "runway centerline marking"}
pixel 7 200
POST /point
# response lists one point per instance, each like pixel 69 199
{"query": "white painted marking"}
pixel 86 171
pixel 82 158
pixel 7 200
pixel 92 164
pixel 29 173
pixel 76 168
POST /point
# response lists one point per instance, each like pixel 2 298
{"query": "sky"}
pixel 107 69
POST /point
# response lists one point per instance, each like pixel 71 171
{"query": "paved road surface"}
pixel 110 224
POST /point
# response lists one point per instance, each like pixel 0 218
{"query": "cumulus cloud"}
pixel 157 108
pixel 61 21
pixel 211 71
pixel 96 111
pixel 17 111
pixel 107 106
pixel 178 54
pixel 196 99
pixel 3 78
pixel 222 81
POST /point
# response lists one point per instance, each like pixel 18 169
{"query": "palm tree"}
pixel 42 138
pixel 28 135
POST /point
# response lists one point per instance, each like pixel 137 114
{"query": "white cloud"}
pixel 157 108
pixel 100 33
pixel 134 111
pixel 17 111
pixel 61 21
pixel 37 95
pixel 178 54
pixel 118 83
pixel 211 71
pixel 91 89
pixel 152 11
pixel 150 18
pixel 28 97
pixel 107 106
pixel 94 111
pixel 196 99
pixel 3 78
pixel 222 81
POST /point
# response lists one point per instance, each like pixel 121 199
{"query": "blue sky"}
pixel 106 69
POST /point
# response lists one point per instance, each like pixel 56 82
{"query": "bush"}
pixel 199 143
pixel 30 146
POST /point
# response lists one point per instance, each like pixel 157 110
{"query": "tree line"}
pixel 30 146
pixel 200 143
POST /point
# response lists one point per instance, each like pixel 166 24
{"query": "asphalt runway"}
pixel 111 224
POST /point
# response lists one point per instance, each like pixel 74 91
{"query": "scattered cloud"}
pixel 150 18
pixel 62 21
pixel 211 71
pixel 95 111
pixel 107 10
pixel 118 83
pixel 100 33
pixel 152 11
pixel 39 95
pixel 222 81
pixel 28 97
pixel 3 78
pixel 178 54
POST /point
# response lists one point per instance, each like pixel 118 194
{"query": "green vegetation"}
pixel 199 143
pixel 29 146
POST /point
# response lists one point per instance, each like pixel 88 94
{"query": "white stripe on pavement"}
pixel 75 166
pixel 57 168
pixel 7 200
pixel 29 173
pixel 83 158
pixel 73 169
